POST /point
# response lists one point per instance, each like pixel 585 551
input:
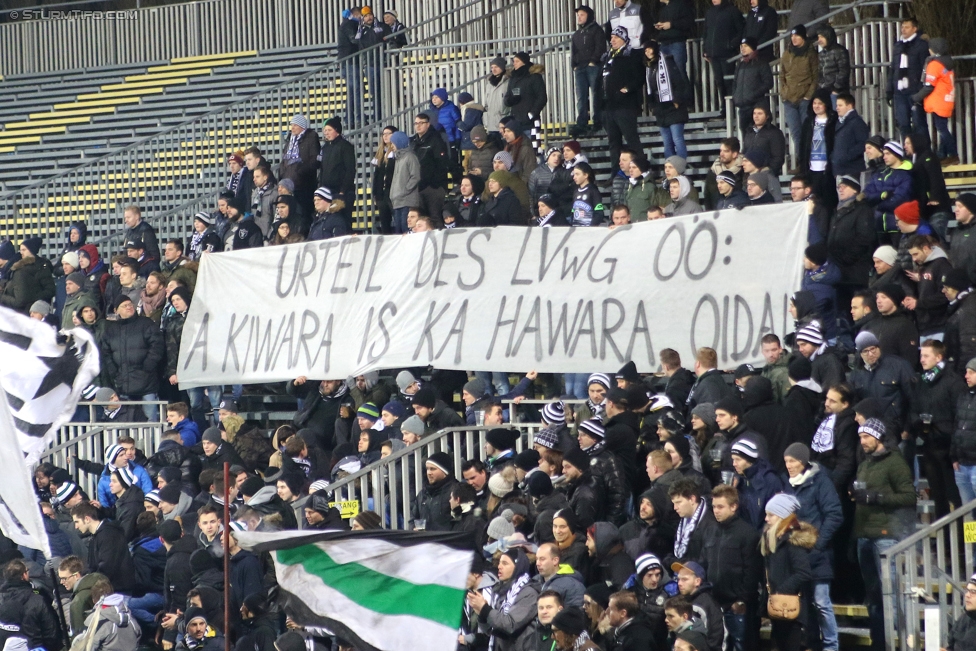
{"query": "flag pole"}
pixel 226 556
pixel 57 597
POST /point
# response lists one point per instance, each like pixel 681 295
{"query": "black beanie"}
pixel 731 405
pixel 425 397
pixel 800 369
pixel 251 486
pixel 577 458
pixel 170 493
pixel 571 620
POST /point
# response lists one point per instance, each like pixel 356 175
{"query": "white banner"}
pixel 20 513
pixel 497 299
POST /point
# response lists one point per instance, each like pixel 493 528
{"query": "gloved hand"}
pixel 890 100
pixel 865 496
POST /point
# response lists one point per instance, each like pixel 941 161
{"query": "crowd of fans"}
pixel 675 510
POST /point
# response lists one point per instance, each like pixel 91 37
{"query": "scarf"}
pixel 150 304
pixel 685 528
pixel 595 449
pixel 930 375
pixel 961 295
pixel 341 391
pixel 304 464
pixel 506 605
pixel 292 155
pixel 494 80
pixel 665 93
pixel 451 225
pixel 235 181
pixel 823 440
pixel 581 641
pixel 800 479
pixel 544 221
pixel 596 409
pixel 256 204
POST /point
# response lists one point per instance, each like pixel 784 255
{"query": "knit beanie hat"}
pixel 413 425
pixel 368 411
pixel 705 411
pixel 477 387
pixel 527 460
pixel 799 369
pixel 577 458
pixel 538 484
pixel 502 438
pixel 782 505
pixel 886 254
pixel 395 409
pixel 499 485
pixel 442 461
pixel 404 378
pixel 401 141
pixel 211 435
pixel 500 527
pixel 746 449
pixel 554 412
pixel 909 212
pixel 732 405
pixel 425 397
pixel 798 451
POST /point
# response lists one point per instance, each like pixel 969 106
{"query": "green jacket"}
pixel 82 602
pixel 74 302
pixel 888 474
pixel 778 373
pixel 640 197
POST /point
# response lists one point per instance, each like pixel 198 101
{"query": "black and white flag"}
pixel 20 514
pixel 42 375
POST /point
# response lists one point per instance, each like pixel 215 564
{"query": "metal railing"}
pixel 88 440
pixel 924 579
pixel 390 485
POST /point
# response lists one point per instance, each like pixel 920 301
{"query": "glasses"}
pixel 62 579
pixel 971 592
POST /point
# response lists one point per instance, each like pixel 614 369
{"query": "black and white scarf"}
pixel 597 409
pixel 665 92
pixel 930 375
pixel 583 638
pixel 961 295
pixel 595 449
pixel 304 464
pixel 506 605
pixel 823 440
pixel 234 181
pixel 685 528
pixel 544 220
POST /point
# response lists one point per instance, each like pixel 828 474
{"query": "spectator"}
pixel 175 265
pixel 733 565
pixel 299 160
pixel 904 80
pixel 431 151
pixel 890 188
pixel 137 229
pixel 132 349
pixel 802 191
pixel 675 25
pixel 347 44
pixel 850 133
pixel 723 33
pixel 553 179
pixel 757 188
pixel 30 278
pixel 960 334
pixel 573 154
pixel 835 441
pixel 816 148
pixel 588 47
pixel 766 137
pixel 797 81
pixel 963 449
pixel 762 23
pixel 642 190
pixel 928 183
pixel 513 603
pixel 328 221
pixel 786 545
pixel 630 629
pixel 626 14
pixel 729 161
pixel 697 525
pixel 805 12
pixel 896 330
pixel 496 106
pixel 569 631
pixel 709 385
pixel 930 305
pixel 938 96
pixel 108 552
pixel 372 33
pixel 448 116
pixel 682 203
pixel 622 84
pixel 519 148
pixel 396 27
pixel 885 377
pixel 265 195
pixel 338 167
pixel 962 634
pixel 777 361
pixel 834 63
pixel 693 587
pixel 472 115
pixel 755 166
pixel 199 634
pixel 72 575
pixel 136 250
pixel 851 238
pixel 26 615
pixel 479 163
pixel 610 563
pixel 503 207
pixel 588 209
pixel 384 163
pixel 669 93
pixel 757 482
pixel 885 498
pixel 526 95
pixel 407 173
pixel 753 80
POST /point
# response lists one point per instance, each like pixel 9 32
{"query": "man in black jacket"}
pixel 905 78
pixel 338 169
pixel 588 45
pixel 323 403
pixel 693 587
pixel 767 137
pixel 25 613
pixel 675 25
pixel 762 24
pixel 433 503
pixel 585 492
pixel 850 134
pixel 177 577
pixel 299 160
pixel 435 413
pixel 710 386
pixel 896 329
pixel 723 31
pixel 108 551
pixel 132 350
pixel 962 254
pixel 347 44
pixel 526 95
pixel 431 150
pixel 608 469
pixel 623 80
pixel 851 237
pixel 888 378
pixel 960 335
pixel 631 630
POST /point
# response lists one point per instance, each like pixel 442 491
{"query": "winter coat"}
pixel 887 190
pixel 127 508
pixel 928 182
pixel 962 634
pixel 108 554
pixel 556 182
pixel 432 504
pixel 963 450
pixel 567 582
pixel 472 115
pixel 586 499
pixel 899 336
pixel 337 170
pixel 149 559
pixel 481 159
pixel 318 413
pixel 723 31
pixel 224 452
pixel 798 72
pixel 907 81
pixel 804 12
pixel 611 564
pixel 758 483
pixel 851 242
pixel 607 469
pixel 620 439
pixel 736 199
pixel 762 24
pixel 892 382
pixel 753 81
pixel 931 304
pixel 526 94
pixel 960 333
pixel 820 507
pixel 788 568
pixel 406 180
pixel 622 70
pixel 326 225
pixel 132 350
pixel 448 116
pixel 524 158
pixel 81 601
pixel 666 112
pixel 31 280
pixel 732 562
pixel 245 577
pixel 431 151
pixel 26 613
pixel 495 106
pixel 170 454
pixel 835 64
pixel 681 15
pixel 807 133
pixel 634 635
pixel 105 497
pixel 589 44
pixel 771 140
pixel 630 18
pixel 247 234
pixel 801 404
pixel 888 474
pixel 841 460
pixel 177 576
pixel 145 232
pixel 640 197
pixel 937 397
pixel 850 133
pixel 510 630
pixel 303 172
pixel 347 40
pixel 821 282
pixel 709 387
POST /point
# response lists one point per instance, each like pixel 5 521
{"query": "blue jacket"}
pixel 887 190
pixel 473 117
pixel 756 487
pixel 820 282
pixel 105 497
pixel 849 137
pixel 820 506
pixel 448 115
pixel 189 432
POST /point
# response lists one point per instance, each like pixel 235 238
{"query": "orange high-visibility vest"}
pixel 941 100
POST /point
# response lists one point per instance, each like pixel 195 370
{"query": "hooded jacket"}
pixel 178 576
pixel 762 24
pixel 938 92
pixel 851 241
pixel 769 418
pixel 723 30
pixel 788 563
pixel 589 42
pixel 732 561
pixel 586 499
pixel 820 507
pixel 132 350
pixel 834 61
pixel 472 115
pixel 448 116
pixel 710 613
pixel 612 564
pixel 808 129
pixel 609 471
pixel 798 72
pixel 566 581
pixel 30 281
pixel 931 305
pixel 928 182
pixel 337 170
pixel 25 613
pixel 406 180
pixel 526 94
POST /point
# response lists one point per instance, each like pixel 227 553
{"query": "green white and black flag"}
pixel 381 590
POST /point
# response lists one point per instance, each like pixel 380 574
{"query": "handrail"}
pixel 922 534
pixel 226 107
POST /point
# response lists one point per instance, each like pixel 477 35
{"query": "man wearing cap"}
pixel 299 159
pixel 693 587
pixel 433 502
pixel 526 96
pixel 136 250
pixel 896 329
pixel 730 196
pixel 433 411
pixel 132 349
pixel 199 634
pixel 885 503
pixel 756 480
pixel 851 239
pixel 889 188
pixel 960 333
pixel 827 368
pixel 755 164
pixel 75 297
pixel 757 190
pixel 338 168
pixel 524 160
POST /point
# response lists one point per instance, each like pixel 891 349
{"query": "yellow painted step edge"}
pixel 196 72
pixel 190 66
pixel 205 57
pixel 57 115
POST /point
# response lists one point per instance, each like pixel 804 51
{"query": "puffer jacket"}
pixel 788 565
pixel 887 190
pixel 963 450
pixel 173 336
pixel 892 382
pixel 851 241
pixel 170 454
pixel 586 499
pixel 132 350
pixel 26 614
pixel 606 467
pixel 526 94
pixel 962 253
pixel 888 474
pixel 31 280
pixel 834 64
pixel 433 505
pixel 960 333
pixel 819 506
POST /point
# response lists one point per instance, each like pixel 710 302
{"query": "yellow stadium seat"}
pixel 205 57
pixel 191 66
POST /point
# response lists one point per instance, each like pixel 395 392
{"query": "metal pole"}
pixel 57 597
pixel 226 556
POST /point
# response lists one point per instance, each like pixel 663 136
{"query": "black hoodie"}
pixel 762 24
pixel 723 30
pixel 589 42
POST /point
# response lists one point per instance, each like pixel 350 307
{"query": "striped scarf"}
pixel 234 181
pixel 686 528
pixel 823 440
